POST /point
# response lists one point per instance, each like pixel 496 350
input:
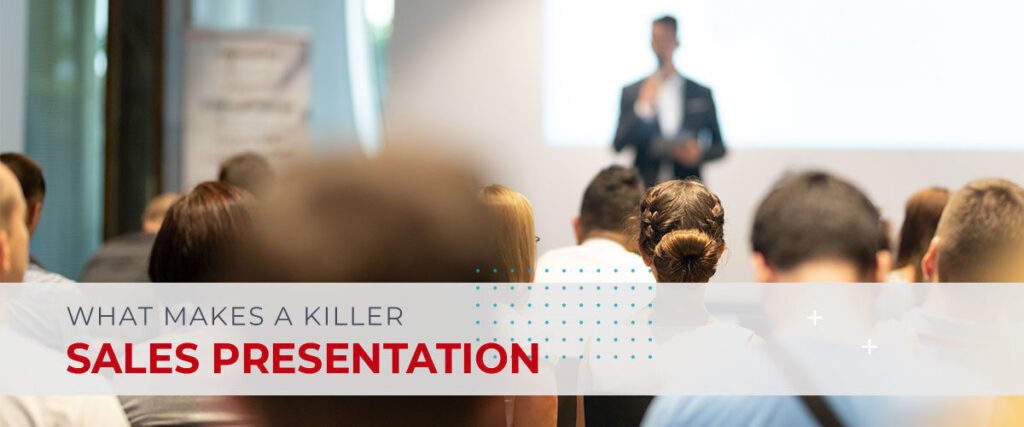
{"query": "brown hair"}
pixel 681 230
pixel 814 215
pixel 29 174
pixel 981 233
pixel 514 236
pixel 611 200
pixel 921 217
pixel 248 171
pixel 200 233
pixel 393 218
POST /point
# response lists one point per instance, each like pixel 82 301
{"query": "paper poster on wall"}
pixel 244 91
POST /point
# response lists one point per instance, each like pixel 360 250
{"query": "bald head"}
pixel 13 232
pixel 980 236
pixel 10 193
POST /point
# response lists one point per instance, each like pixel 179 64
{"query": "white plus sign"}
pixel 869 347
pixel 814 317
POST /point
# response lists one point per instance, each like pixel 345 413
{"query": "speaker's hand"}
pixel 688 153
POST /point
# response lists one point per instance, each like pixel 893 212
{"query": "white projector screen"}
pixel 871 74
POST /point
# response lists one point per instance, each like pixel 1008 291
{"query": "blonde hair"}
pixel 514 234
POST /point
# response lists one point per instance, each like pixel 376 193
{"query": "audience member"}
pixel 33 187
pixel 813 227
pixel 680 233
pixel 248 171
pixel 200 233
pixel 606 249
pixel 14 234
pixel 921 216
pixel 198 237
pixel 980 238
pixel 515 239
pixel 81 411
pixel 358 221
pixel 514 233
pixel 126 258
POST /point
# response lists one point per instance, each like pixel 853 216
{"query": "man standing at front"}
pixel 668 119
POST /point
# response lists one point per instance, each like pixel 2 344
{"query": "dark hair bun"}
pixel 686 256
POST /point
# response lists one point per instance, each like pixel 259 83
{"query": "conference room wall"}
pixel 470 73
pixel 13 22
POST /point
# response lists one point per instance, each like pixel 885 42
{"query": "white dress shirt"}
pixel 596 260
pixel 668 109
pixel 18 356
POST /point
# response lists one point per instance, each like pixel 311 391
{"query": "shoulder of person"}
pixel 634 87
pixel 696 87
pixel 38 274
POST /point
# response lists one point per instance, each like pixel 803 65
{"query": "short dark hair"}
pixel 814 215
pixel 248 171
pixel 981 233
pixel 200 233
pixel 357 220
pixel 29 174
pixel 611 199
pixel 668 21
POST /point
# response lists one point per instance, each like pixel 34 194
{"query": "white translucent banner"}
pixel 507 339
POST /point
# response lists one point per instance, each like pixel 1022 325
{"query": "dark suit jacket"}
pixel 698 115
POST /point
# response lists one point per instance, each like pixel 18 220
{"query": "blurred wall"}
pixel 467 75
pixel 13 28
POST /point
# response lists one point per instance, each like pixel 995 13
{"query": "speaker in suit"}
pixel 653 149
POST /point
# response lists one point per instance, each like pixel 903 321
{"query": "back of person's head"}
pixel 920 218
pixel 393 218
pixel 248 171
pixel 681 232
pixel 817 217
pixel 980 236
pixel 13 231
pixel 200 233
pixel 29 174
pixel 514 233
pixel 388 219
pixel 610 201
pixel 33 185
pixel 156 210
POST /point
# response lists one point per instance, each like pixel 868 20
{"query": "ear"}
pixel 35 214
pixel 648 260
pixel 5 252
pixel 930 261
pixel 883 265
pixel 762 271
pixel 577 227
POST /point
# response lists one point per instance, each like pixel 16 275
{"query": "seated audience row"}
pixel 357 221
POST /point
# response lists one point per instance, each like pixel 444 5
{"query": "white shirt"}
pixel 601 261
pixel 675 352
pixel 668 109
pixel 57 410
pixel 37 274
